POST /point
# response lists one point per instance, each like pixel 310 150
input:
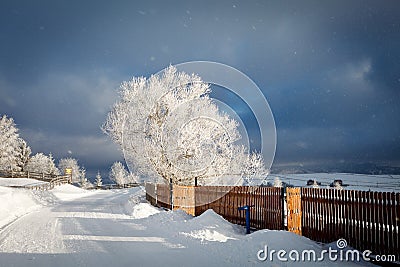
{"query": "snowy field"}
pixel 69 226
pixel 364 182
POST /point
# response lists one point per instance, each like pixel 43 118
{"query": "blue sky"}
pixel 330 70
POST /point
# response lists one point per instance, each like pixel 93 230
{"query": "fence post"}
pixel 171 190
pixel 283 200
pixel 155 193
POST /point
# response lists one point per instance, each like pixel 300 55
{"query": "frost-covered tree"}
pixel 118 173
pixel 277 182
pixel 71 163
pixel 51 166
pixel 9 144
pixel 24 152
pixel 42 164
pixel 99 181
pixel 84 180
pixel 167 126
pixel 253 167
pixel 132 178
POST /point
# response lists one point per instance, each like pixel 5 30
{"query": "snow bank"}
pixel 210 226
pixel 218 242
pixel 67 192
pixel 143 210
pixel 20 182
pixel 208 235
pixel 136 205
pixel 15 203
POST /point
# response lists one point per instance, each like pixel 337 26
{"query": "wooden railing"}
pixel 49 180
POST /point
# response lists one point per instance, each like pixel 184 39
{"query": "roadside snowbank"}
pixel 15 203
pixel 67 192
pixel 20 182
pixel 143 210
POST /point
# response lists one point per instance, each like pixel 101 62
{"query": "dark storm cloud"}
pixel 330 70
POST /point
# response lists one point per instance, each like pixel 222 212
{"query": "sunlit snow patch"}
pixel 68 192
pixel 143 210
pixel 208 235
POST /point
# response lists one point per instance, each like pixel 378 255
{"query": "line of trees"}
pixel 15 155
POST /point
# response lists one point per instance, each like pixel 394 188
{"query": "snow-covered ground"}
pixel 20 182
pixel 364 182
pixel 15 203
pixel 69 226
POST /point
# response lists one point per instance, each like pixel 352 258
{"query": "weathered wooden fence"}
pixel 49 179
pixel 266 202
pixel 159 195
pixel 367 220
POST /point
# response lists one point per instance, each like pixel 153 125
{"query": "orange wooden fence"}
pixel 367 220
pixel 266 204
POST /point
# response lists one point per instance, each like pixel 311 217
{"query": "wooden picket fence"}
pixel 159 195
pixel 266 204
pixel 266 211
pixel 367 220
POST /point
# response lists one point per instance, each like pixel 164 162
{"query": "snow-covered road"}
pixel 89 231
pixel 114 228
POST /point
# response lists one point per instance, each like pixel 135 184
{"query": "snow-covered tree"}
pixel 84 180
pixel 99 181
pixel 9 144
pixel 51 166
pixel 252 166
pixel 24 152
pixel 118 173
pixel 72 164
pixel 42 164
pixel 277 182
pixel 132 178
pixel 167 126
